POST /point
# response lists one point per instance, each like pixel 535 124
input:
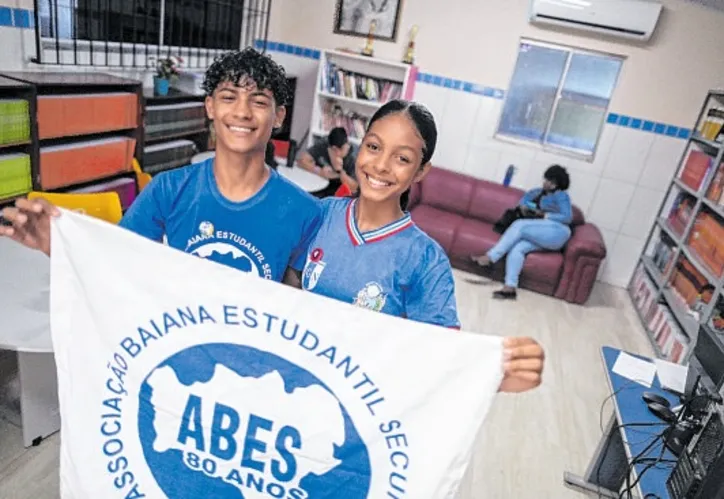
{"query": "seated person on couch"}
pixel 334 160
pixel 546 215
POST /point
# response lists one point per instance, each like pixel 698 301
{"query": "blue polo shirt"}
pixel 397 269
pixel 263 235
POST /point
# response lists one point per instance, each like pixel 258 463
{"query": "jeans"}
pixel 524 236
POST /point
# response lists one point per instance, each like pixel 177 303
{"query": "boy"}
pixel 233 208
pixel 334 160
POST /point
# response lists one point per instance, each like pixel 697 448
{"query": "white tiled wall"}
pixel 620 191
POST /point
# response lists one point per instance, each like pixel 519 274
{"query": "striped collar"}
pixel 358 238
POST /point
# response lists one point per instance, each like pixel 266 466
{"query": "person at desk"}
pixel 334 160
pixel 230 201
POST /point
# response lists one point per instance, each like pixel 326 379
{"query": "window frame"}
pixel 254 25
pixel 542 145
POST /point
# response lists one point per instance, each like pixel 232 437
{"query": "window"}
pixel 558 97
pixel 189 24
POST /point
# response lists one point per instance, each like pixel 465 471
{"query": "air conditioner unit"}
pixel 634 19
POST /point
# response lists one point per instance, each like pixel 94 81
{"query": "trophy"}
pixel 368 50
pixel 410 52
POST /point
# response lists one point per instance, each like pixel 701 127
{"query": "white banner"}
pixel 182 378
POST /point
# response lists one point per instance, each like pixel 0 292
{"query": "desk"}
pixel 606 472
pixel 25 329
pixel 304 179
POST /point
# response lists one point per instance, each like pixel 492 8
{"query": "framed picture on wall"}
pixel 353 17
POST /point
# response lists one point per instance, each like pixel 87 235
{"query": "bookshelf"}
pixel 678 285
pixel 351 87
pixel 85 128
pixel 16 151
pixel 175 129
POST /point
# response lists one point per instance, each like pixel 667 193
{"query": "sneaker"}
pixel 505 295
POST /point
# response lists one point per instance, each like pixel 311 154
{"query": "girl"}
pixel 545 227
pixel 368 252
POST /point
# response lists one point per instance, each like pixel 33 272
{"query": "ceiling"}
pixel 716 4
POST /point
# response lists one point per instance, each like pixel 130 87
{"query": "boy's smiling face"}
pixel 243 116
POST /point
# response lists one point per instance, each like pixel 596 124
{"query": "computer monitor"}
pixel 709 353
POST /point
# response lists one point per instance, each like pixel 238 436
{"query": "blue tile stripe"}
pixel 16 18
pixel 464 86
pixel 648 126
pixel 621 120
pixel 288 49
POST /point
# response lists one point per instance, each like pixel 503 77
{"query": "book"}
pixel 338 81
pixel 333 116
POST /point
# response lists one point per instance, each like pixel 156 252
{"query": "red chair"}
pixel 281 148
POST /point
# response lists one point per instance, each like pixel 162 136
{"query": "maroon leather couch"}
pixel 459 211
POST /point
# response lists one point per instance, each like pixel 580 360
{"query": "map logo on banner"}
pixel 202 381
pixel 258 444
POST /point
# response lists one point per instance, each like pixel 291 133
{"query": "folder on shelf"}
pixel 14 121
pixel 15 177
pixel 80 162
pixel 69 115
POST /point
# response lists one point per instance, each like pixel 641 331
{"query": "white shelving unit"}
pixel 341 79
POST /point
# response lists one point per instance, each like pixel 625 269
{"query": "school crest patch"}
pixel 371 297
pixel 313 269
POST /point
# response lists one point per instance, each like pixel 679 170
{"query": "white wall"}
pixel 664 82
pixel 475 40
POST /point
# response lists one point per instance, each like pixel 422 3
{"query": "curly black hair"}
pixel 242 67
pixel 559 176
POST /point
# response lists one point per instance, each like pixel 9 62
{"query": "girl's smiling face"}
pixel 390 157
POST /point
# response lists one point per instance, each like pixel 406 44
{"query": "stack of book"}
pixel 15 178
pixel 687 282
pixel 712 126
pixel 173 120
pixel 707 241
pixel 715 194
pixel 334 116
pixel 663 255
pixel 695 169
pixel 168 155
pixel 338 81
pixel 643 291
pixel 658 319
pixel 681 212
pixel 667 333
pixel 14 121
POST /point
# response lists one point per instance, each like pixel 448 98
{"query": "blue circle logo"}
pixel 253 425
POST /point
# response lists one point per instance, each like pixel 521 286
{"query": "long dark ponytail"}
pixel 423 120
